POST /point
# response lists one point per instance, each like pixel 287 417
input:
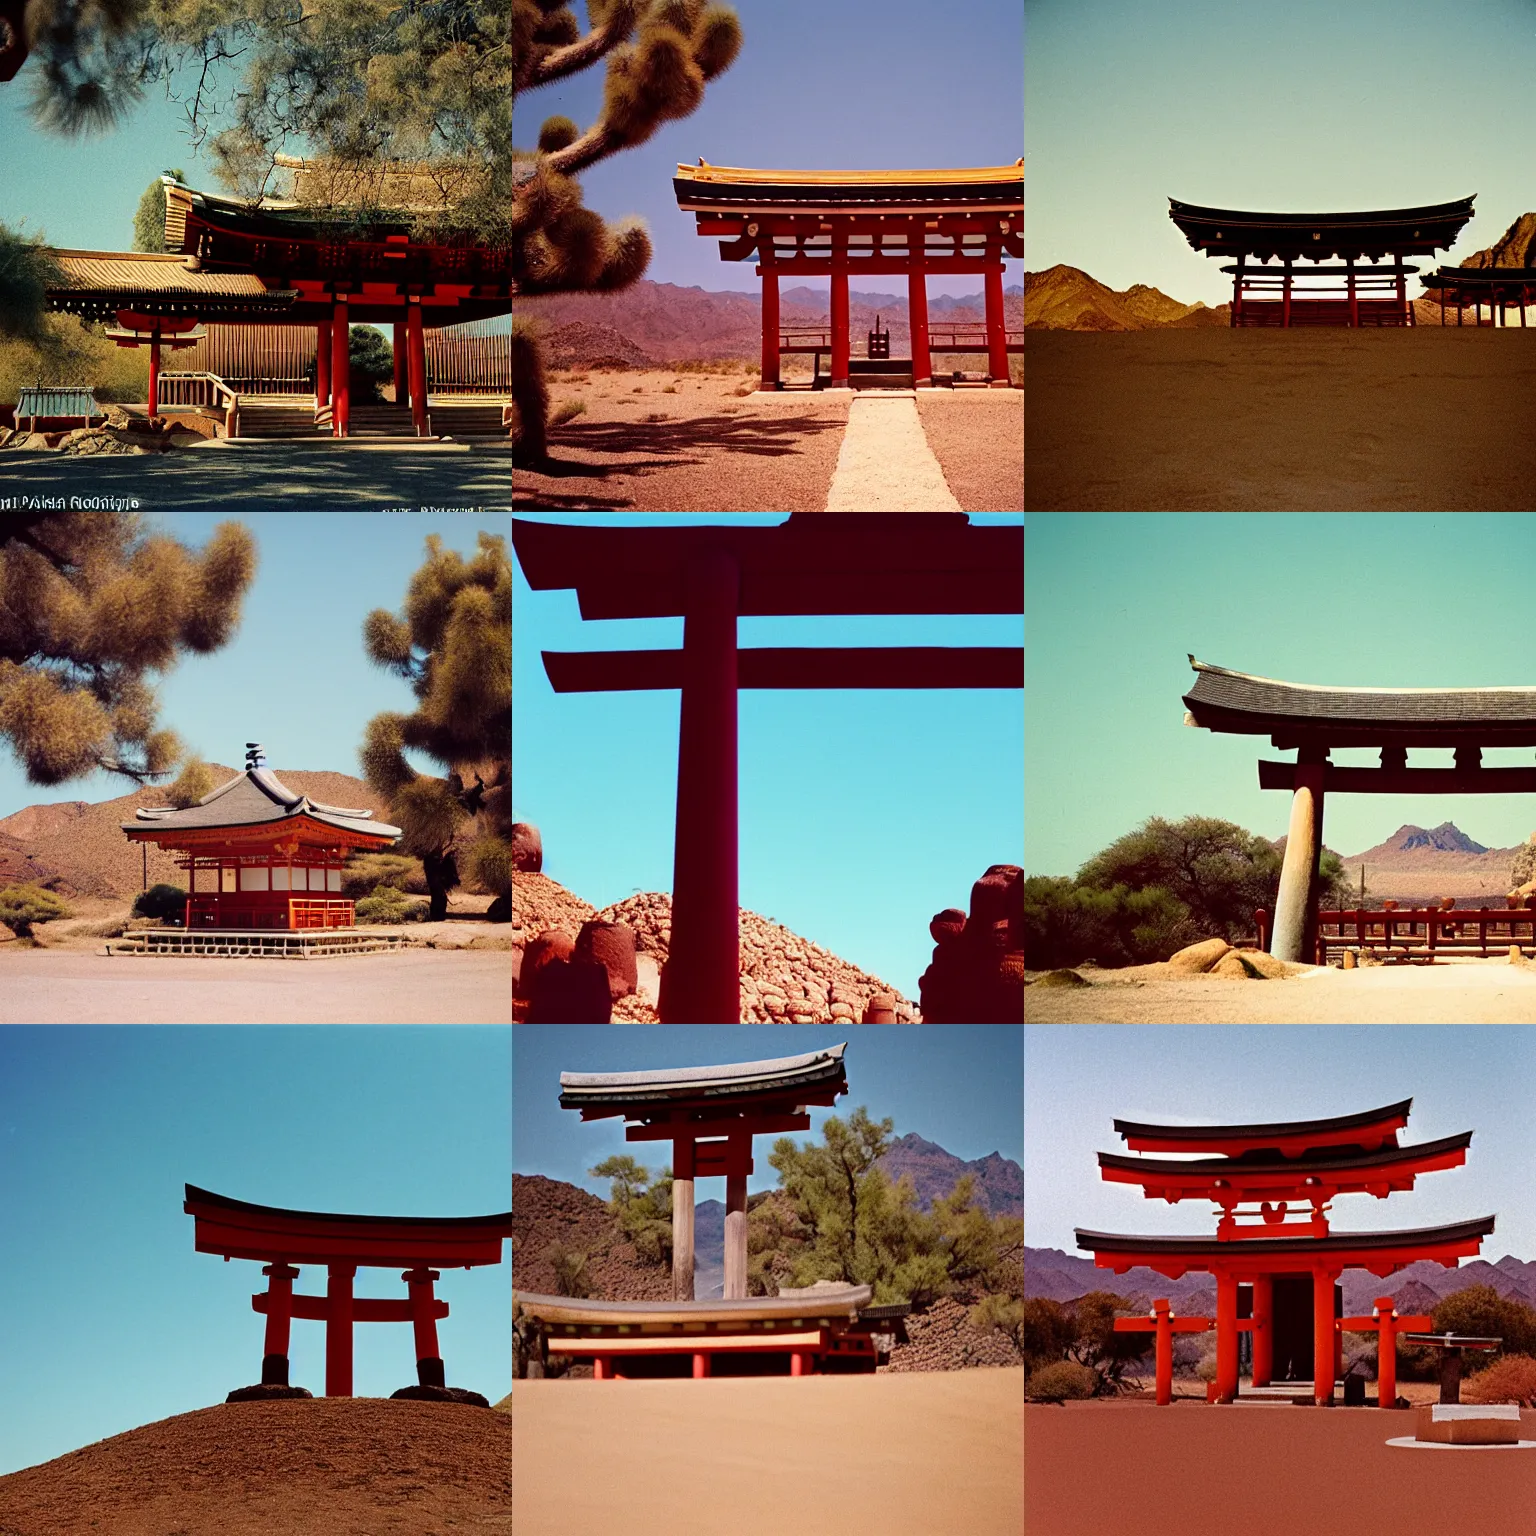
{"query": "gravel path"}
pixel 418 987
pixel 978 438
pixel 1458 992
pixel 886 464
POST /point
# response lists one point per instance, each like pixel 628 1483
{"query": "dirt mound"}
pixel 324 1467
pixel 581 345
pixel 546 1211
pixel 83 843
pixel 942 1339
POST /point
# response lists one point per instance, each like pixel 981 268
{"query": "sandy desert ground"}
pixel 1309 420
pixel 414 987
pixel 935 1453
pixel 1448 992
pixel 716 449
pixel 348 1466
pixel 1134 1469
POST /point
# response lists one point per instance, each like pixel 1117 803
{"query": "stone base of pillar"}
pixel 274 1370
pixel 999 383
pixel 429 1373
pixel 266 1391
pixel 420 1394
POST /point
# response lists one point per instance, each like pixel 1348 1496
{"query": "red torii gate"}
pixel 236 1229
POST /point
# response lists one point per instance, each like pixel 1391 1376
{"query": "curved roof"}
pixel 1403 231
pixel 254 798
pixel 1242 703
pixel 1170 1138
pixel 1480 277
pixel 674 1084
pixel 1237 1168
pixel 704 188
pixel 1257 1247
pixel 843 1301
pixel 97 284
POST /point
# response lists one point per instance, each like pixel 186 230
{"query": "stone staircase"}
pixel 278 416
pixel 469 417
pixel 271 944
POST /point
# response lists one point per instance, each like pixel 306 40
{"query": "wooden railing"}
pixel 1423 932
pixel 202 389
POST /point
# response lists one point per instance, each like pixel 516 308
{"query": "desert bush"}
pixel 368 871
pixel 1205 1366
pixel 1060 1381
pixel 1097 1344
pixel 1000 1314
pixel 568 410
pixel 670 389
pixel 1048 1332
pixel 570 1266
pixel 388 905
pixel 1510 1379
pixel 1066 923
pixel 22 907
pixel 160 902
pixel 1477 1310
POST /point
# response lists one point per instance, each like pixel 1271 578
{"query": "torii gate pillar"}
pixel 1295 933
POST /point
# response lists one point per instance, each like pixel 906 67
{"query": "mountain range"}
pixel 1057 1276
pixel 668 323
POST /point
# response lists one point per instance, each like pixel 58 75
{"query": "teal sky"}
pixel 819 84
pixel 112 1320
pixel 1078 1079
pixel 295 676
pixel 1304 106
pixel 1116 600
pixel 960 1087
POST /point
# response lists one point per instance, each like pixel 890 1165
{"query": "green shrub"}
pixel 368 871
pixel 570 1266
pixel 1066 923
pixel 568 410
pixel 387 905
pixel 1060 1381
pixel 161 901
pixel 24 906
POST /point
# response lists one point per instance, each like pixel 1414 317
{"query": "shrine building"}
pixel 1303 289
pixel 282 1240
pixel 1314 720
pixel 1277 1275
pixel 259 855
pixel 710 1115
pixel 848 225
pixel 1472 288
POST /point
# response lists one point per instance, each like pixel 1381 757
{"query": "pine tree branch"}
pixel 584 52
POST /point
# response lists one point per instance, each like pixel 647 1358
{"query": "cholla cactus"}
pixel 659 55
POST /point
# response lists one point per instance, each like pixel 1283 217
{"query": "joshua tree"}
pixel 659 54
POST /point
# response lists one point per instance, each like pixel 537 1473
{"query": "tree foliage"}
pixel 24 906
pixel 149 217
pixel 89 603
pixel 161 902
pixel 644 1207
pixel 27 267
pixel 372 363
pixel 193 782
pixel 453 645
pixel 658 55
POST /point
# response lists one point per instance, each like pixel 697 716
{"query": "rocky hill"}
pixel 1419 865
pixel 1410 844
pixel 580 345
pixel 1065 298
pixel 77 847
pixel 999 1181
pixel 1516 247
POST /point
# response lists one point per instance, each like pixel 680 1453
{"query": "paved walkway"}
pixel 886 464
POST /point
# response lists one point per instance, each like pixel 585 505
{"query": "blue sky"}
pixel 1078 1079
pixel 114 1320
pixel 958 1087
pixel 295 676
pixel 819 84
pixel 862 813
pixel 1396 600
pixel 1307 106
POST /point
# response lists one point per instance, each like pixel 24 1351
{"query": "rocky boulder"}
pixel 1197 959
pixel 977 973
pixel 527 848
pixel 612 946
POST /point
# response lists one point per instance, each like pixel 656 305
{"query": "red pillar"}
pixel 429 1364
pixel 839 310
pixel 416 347
pixel 701 1364
pixel 1354 302
pixel 322 364
pixel 402 377
pixel 602 1368
pixel 338 1330
pixel 1164 1352
pixel 997 337
pixel 1285 297
pixel 1236 316
pixel 154 375
pixel 341 371
pixel 701 981
pixel 1323 1333
pixel 1263 1330
pixel 917 316
pixel 770 366
pixel 274 1361
pixel 1226 1337
pixel 1386 1353
pixel 1402 290
pixel 797 1363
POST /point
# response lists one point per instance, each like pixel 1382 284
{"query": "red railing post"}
pixel 1261 918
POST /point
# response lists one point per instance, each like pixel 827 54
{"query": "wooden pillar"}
pixel 682 1218
pixel 738 1155
pixel 1285 300
pixel 154 375
pixel 1354 302
pixel 997 336
pixel 700 983
pixel 1164 1350
pixel 700 1364
pixel 322 364
pixel 770 363
pixel 338 1330
pixel 402 371
pixel 1263 1330
pixel 602 1368
pixel 917 314
pixel 416 348
pixel 1402 290
pixel 797 1363
pixel 1296 907
pixel 429 1364
pixel 839 378
pixel 341 370
pixel 1226 1336
pixel 1323 1335
pixel 1386 1353
pixel 274 1359
pixel 1236 317
pixel 1524 298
